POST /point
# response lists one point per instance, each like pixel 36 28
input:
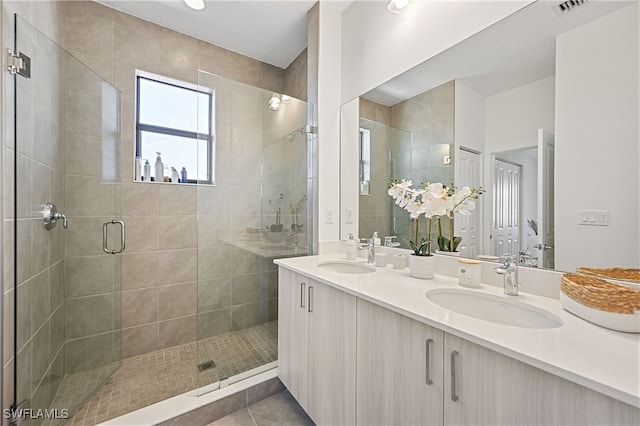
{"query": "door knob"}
pixel 542 247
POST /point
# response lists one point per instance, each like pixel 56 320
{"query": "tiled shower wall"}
pixel 418 133
pixel 40 160
pixel 159 267
pixel 168 250
pixel 375 208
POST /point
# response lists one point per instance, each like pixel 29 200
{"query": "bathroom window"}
pixel 175 119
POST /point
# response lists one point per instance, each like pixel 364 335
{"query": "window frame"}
pixel 170 131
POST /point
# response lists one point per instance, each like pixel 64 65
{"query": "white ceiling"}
pixel 272 31
pixel 517 50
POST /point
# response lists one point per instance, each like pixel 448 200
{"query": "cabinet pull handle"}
pixel 310 309
pixel 454 397
pixel 428 362
pixel 302 285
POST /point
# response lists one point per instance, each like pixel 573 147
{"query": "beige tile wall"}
pixel 175 265
pixel 416 131
pixel 40 254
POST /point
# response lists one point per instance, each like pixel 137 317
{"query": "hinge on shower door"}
pixel 18 63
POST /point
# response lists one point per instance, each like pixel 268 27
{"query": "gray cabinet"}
pixel 317 347
pixel 348 361
pixel 491 388
pixel 399 369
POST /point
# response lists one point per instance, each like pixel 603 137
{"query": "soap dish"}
pixel 607 304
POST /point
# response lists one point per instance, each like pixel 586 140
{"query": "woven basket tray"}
pixel 614 273
pixel 600 294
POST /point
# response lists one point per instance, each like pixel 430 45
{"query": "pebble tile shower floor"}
pixel 153 377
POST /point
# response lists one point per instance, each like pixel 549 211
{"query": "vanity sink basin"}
pixel 346 267
pixel 496 309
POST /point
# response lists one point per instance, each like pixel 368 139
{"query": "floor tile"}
pixel 146 379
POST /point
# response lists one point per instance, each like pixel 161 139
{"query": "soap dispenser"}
pixel 352 248
pixel 159 169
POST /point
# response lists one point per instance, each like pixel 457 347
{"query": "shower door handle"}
pixel 105 233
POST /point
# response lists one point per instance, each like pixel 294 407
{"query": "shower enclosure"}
pixel 151 289
pixel 67 160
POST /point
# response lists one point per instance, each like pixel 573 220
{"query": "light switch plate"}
pixel 328 216
pixel 593 217
pixel 348 215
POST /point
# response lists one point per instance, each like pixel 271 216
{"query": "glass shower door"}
pixel 67 187
pixel 260 165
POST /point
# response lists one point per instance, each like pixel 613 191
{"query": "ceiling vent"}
pixel 569 6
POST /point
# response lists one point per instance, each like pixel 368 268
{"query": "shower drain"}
pixel 207 365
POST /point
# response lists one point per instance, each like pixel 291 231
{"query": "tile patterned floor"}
pixel 153 377
pixel 279 410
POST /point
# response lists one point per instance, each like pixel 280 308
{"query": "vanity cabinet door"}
pixel 490 388
pixel 293 334
pixel 332 355
pixel 317 347
pixel 399 369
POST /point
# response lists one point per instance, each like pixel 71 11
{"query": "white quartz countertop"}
pixel 600 359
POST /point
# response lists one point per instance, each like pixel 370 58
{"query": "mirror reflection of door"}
pixel 506 207
pixel 468 227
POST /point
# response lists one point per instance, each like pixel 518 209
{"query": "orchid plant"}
pixel 460 201
pixel 433 200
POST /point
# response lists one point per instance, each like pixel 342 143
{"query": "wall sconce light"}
pixel 195 4
pixel 274 102
pixel 397 6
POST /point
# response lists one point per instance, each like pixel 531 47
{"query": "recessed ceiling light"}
pixel 195 4
pixel 396 6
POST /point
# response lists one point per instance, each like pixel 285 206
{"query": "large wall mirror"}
pixel 541 110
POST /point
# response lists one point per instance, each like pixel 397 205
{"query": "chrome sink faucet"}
pixel 509 272
pixel 371 249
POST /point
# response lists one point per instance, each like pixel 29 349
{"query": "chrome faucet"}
pixel 509 271
pixel 371 248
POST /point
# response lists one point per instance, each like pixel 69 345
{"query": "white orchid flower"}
pixel 415 208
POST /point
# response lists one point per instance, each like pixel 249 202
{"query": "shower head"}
pixel 303 131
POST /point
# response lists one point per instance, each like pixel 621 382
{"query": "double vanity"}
pixel 366 345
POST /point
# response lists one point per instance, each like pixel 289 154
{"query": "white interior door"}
pixel 546 241
pixel 506 208
pixel 468 226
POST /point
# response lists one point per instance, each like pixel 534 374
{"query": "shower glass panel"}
pixel 255 212
pixel 390 157
pixel 67 152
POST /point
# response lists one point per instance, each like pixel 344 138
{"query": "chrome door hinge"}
pixel 18 63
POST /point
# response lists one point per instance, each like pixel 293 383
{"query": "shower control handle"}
pixel 50 215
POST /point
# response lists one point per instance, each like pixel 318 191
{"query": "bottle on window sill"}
pixel 183 175
pixel 147 171
pixel 159 169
